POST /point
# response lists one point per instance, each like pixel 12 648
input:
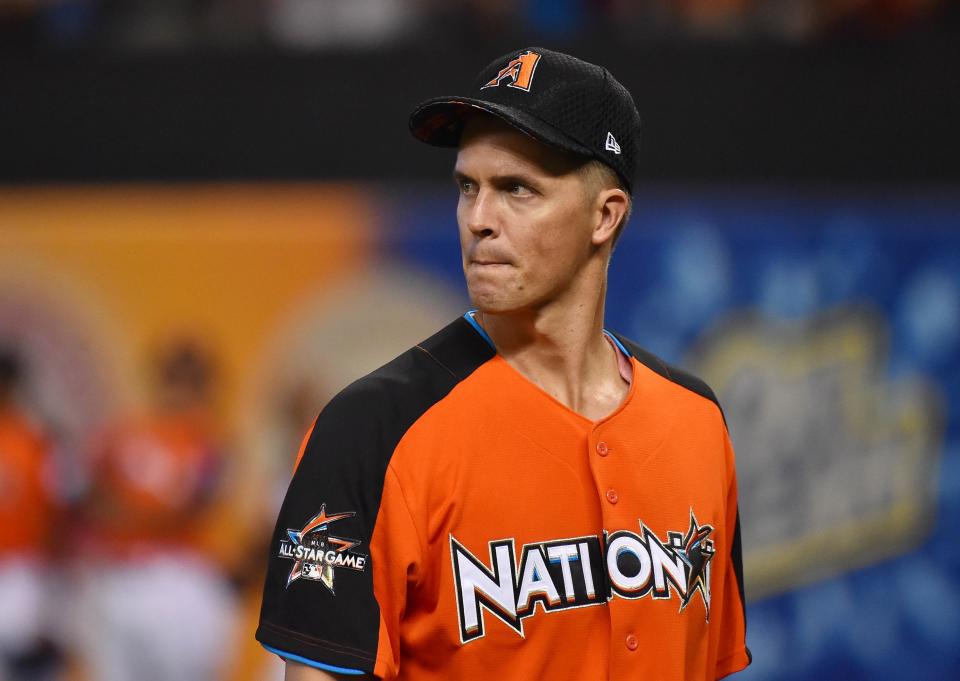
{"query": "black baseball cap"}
pixel 555 98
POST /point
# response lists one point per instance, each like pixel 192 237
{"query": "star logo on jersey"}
pixel 316 554
pixel 696 551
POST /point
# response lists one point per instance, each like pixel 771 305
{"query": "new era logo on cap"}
pixel 611 144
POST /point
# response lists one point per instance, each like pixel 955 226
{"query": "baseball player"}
pixel 154 603
pixel 29 509
pixel 525 494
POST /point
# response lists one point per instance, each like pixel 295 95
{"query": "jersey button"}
pixel 602 449
pixel 632 642
pixel 612 496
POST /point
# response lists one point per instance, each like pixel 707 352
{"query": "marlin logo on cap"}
pixel 519 70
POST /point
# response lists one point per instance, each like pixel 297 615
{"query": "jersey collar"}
pixel 623 355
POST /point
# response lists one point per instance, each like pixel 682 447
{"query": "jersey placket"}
pixel 616 499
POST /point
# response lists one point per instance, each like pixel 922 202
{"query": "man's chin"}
pixel 496 306
pixel 488 305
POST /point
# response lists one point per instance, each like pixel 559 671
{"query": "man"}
pixel 29 507
pixel 154 596
pixel 524 494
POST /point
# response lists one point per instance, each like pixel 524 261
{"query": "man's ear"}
pixel 611 210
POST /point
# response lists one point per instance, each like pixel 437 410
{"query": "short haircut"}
pixel 599 176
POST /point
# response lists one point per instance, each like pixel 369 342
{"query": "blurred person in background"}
pixel 154 604
pixel 27 519
pixel 459 21
pixel 313 24
pixel 31 24
pixel 180 25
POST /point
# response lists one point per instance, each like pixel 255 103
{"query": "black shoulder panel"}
pixel 342 472
pixel 670 372
pixel 458 348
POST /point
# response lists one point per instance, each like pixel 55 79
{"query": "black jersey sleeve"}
pixel 338 561
pixel 319 606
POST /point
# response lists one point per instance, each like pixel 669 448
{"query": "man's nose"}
pixel 482 215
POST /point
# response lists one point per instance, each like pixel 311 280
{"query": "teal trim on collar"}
pixel 618 343
pixel 469 316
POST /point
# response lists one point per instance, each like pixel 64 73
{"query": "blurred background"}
pixel 212 218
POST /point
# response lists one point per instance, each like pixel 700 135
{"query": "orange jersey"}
pixel 150 478
pixel 26 504
pixel 451 520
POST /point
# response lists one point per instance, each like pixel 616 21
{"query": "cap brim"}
pixel 440 122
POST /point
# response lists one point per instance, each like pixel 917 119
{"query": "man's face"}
pixel 525 217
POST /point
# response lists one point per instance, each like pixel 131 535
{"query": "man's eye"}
pixel 466 187
pixel 518 189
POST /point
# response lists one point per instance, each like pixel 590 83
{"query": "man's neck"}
pixel 564 352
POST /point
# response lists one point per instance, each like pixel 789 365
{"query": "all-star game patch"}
pixel 316 554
